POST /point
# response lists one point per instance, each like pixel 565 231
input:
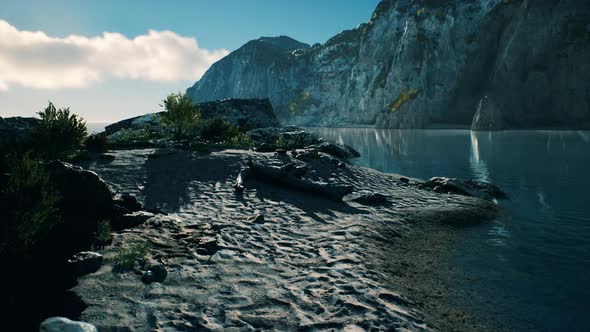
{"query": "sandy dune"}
pixel 313 264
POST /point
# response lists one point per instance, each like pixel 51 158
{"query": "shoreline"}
pixel 339 250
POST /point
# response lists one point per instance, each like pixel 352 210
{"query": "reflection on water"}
pixel 531 267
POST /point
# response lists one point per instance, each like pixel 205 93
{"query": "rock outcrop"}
pixel 498 64
pixel 245 113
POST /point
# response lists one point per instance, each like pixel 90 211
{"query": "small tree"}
pixel 59 131
pixel 181 113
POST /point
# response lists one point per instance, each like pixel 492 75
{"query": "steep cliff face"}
pixel 492 64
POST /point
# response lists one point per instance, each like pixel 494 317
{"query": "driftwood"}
pixel 289 176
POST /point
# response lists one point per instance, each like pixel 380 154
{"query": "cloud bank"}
pixel 36 60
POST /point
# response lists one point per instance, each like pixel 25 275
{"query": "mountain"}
pixel 489 64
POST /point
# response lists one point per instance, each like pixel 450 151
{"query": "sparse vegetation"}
pixel 59 132
pixel 31 203
pixel 181 113
pixel 404 97
pixel 127 257
pixel 104 232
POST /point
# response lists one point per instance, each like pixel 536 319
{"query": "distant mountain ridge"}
pixel 489 64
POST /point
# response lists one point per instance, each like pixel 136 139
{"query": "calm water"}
pixel 530 269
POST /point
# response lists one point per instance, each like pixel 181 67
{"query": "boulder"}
pixel 61 324
pixel 472 188
pixel 16 129
pixel 207 245
pixel 85 201
pixel 154 273
pixel 370 198
pixel 130 220
pixel 128 202
pixel 287 137
pixel 146 121
pixel 257 218
pixel 85 262
pixel 337 150
pixel 244 113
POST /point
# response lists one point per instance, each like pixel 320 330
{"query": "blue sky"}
pixel 107 77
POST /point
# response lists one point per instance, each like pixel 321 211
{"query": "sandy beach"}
pixel 311 264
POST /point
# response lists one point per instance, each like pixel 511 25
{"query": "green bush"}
pixel 31 204
pixel 181 113
pixel 103 232
pixel 218 130
pixel 97 142
pixel 60 132
pixel 135 253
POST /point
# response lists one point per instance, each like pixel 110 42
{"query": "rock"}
pixel 85 201
pixel 482 190
pixel 151 121
pixel 154 273
pixel 487 117
pixel 289 137
pixel 337 150
pixel 207 245
pixel 404 180
pixel 17 129
pixel 128 202
pixel 281 152
pixel 130 220
pixel 85 262
pixel 287 178
pixel 258 218
pixel 61 324
pixel 455 52
pixel 81 156
pixel 371 199
pixel 244 113
pixel 106 157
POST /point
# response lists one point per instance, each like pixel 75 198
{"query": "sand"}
pixel 314 264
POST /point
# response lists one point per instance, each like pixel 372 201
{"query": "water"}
pixel 530 268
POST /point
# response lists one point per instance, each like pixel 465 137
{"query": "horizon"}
pixel 106 65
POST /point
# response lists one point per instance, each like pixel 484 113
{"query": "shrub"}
pixel 59 132
pixel 31 203
pixel 218 130
pixel 181 113
pixel 135 253
pixel 97 142
pixel 103 232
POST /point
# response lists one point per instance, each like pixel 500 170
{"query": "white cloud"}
pixel 36 60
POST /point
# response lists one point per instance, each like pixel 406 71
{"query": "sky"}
pixel 110 59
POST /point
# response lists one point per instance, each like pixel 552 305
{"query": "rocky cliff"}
pixel 492 64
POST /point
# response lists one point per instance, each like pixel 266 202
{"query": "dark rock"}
pixel 482 190
pixel 106 157
pixel 289 137
pixel 404 180
pixel 61 324
pixel 154 273
pixel 371 199
pixel 244 113
pixel 207 245
pixel 85 201
pixel 336 149
pixel 85 262
pixel 81 157
pixel 127 203
pixel 256 219
pixel 281 152
pixel 16 129
pixel 130 220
